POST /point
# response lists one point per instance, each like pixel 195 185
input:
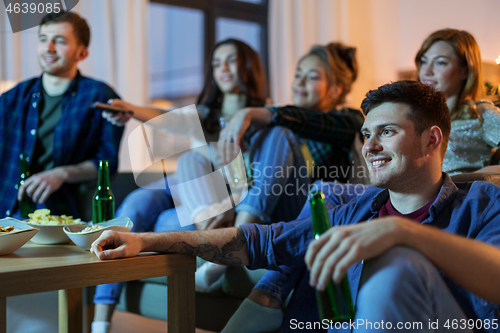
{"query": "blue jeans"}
pixel 154 210
pixel 280 284
pixel 400 288
pixel 280 181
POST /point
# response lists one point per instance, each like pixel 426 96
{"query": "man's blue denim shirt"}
pixel 471 210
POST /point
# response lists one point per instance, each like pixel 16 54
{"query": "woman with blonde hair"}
pixel 338 68
pixel 450 61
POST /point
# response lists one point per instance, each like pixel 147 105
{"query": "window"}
pixel 182 34
pixel 250 32
pixel 176 56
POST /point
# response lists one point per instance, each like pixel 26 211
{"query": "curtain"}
pixel 295 26
pixel 372 26
pixel 117 55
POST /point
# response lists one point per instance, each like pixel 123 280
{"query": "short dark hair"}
pixel 81 29
pixel 426 106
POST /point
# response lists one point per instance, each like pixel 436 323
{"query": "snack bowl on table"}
pixel 51 234
pixel 12 241
pixel 51 226
pixel 84 238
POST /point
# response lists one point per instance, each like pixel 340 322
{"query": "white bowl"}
pixel 85 240
pixel 52 234
pixel 12 241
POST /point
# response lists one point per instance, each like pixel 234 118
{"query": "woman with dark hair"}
pixel 246 79
pixel 250 80
pixel 235 79
pixel 450 61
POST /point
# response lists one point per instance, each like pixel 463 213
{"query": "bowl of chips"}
pixel 85 235
pixel 51 226
pixel 14 234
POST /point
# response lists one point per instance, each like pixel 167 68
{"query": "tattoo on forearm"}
pixel 225 255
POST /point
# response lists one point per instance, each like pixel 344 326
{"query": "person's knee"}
pixel 140 194
pixel 274 139
pixel 272 135
pixel 168 221
pixel 143 196
pixel 281 132
pixel 143 206
pixel 397 273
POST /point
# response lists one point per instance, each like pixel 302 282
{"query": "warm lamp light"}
pixel 497 60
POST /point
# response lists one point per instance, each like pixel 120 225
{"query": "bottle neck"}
pixel 103 176
pixel 24 166
pixel 318 213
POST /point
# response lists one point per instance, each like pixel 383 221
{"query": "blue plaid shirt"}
pixel 80 135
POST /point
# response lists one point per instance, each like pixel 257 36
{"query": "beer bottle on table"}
pixel 103 205
pixel 26 205
pixel 334 303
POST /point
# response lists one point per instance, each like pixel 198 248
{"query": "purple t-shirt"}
pixel 418 216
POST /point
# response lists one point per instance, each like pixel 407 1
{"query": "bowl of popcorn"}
pixel 14 234
pixel 51 226
pixel 84 235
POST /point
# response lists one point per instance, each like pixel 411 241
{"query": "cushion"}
pixel 473 176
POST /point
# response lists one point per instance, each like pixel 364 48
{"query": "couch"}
pixel 149 297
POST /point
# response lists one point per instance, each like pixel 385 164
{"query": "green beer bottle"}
pixel 103 205
pixel 26 205
pixel 334 303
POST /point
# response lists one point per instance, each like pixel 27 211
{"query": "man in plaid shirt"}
pixel 47 120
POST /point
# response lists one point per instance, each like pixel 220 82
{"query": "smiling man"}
pixel 421 253
pixel 46 119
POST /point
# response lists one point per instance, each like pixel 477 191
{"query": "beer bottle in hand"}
pixel 26 205
pixel 103 205
pixel 334 303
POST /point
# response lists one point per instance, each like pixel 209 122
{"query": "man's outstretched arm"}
pixel 224 246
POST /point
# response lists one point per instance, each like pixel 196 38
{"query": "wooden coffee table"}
pixel 68 268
